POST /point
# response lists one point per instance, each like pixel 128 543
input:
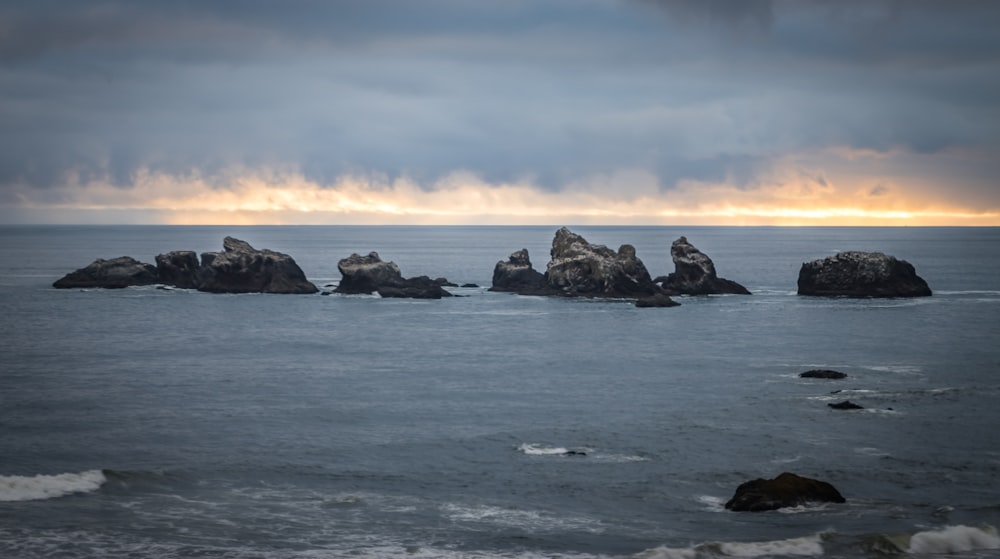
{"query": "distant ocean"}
pixel 153 423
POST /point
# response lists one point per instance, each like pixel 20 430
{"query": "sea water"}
pixel 154 423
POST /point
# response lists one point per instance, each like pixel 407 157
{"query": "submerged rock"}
pixel 694 273
pixel 517 274
pixel 370 274
pixel 861 274
pixel 240 268
pixel 116 273
pixel 578 268
pixel 823 373
pixel 845 405
pixel 654 301
pixel 786 490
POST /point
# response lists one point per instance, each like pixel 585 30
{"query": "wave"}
pixel 809 546
pixel 39 487
pixel 954 539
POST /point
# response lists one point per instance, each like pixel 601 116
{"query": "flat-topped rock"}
pixel 370 274
pixel 786 490
pixel 240 268
pixel 579 268
pixel 694 273
pixel 115 273
pixel 861 274
pixel 823 373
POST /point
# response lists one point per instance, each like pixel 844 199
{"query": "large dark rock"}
pixel 116 273
pixel 861 274
pixel 786 490
pixel 578 268
pixel 240 268
pixel 517 274
pixel 846 405
pixel 178 268
pixel 694 273
pixel 370 274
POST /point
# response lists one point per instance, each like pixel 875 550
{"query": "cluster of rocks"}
pixel 576 268
pixel 239 268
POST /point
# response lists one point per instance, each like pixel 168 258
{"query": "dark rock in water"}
pixel 578 268
pixel 658 300
pixel 786 490
pixel 517 274
pixel 575 453
pixel 370 274
pixel 443 282
pixel 469 285
pixel 694 273
pixel 178 268
pixel 364 274
pixel 420 287
pixel 244 269
pixel 846 405
pixel 823 373
pixel 861 274
pixel 116 273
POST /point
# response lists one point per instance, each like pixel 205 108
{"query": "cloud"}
pixel 563 95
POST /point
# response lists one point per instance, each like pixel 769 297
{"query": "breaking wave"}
pixel 35 488
pixel 809 546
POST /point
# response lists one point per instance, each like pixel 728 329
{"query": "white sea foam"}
pixel 517 518
pixel 34 488
pixel 534 449
pixel 712 503
pixel 954 539
pixel 809 546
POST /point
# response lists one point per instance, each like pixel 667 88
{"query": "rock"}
pixel 240 268
pixel 658 300
pixel 370 274
pixel 786 490
pixel 578 268
pixel 694 273
pixel 469 285
pixel 823 373
pixel 517 274
pixel 861 274
pixel 846 405
pixel 364 274
pixel 178 268
pixel 116 273
pixel 443 282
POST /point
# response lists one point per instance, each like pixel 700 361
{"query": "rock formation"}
pixel 694 273
pixel 517 274
pixel 370 274
pixel 846 405
pixel 178 268
pixel 861 274
pixel 240 268
pixel 823 373
pixel 786 490
pixel 116 273
pixel 658 300
pixel 578 268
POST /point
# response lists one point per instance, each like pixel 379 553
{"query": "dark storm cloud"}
pixel 553 90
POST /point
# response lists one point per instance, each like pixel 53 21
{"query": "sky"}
pixel 644 112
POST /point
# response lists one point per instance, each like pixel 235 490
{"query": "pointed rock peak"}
pixel 520 258
pixel 232 244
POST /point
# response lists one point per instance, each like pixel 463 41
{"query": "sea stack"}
pixel 240 268
pixel 116 273
pixel 861 274
pixel 694 273
pixel 581 269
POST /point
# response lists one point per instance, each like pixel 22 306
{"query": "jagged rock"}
pixel 694 273
pixel 578 268
pixel 370 274
pixel 823 373
pixel 240 268
pixel 116 273
pixel 846 405
pixel 517 274
pixel 861 274
pixel 178 268
pixel 658 300
pixel 786 490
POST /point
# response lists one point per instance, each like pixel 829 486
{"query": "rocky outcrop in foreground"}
pixel 861 274
pixel 694 273
pixel 370 274
pixel 116 273
pixel 786 490
pixel 240 268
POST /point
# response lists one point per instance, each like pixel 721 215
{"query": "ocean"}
pixel 168 423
